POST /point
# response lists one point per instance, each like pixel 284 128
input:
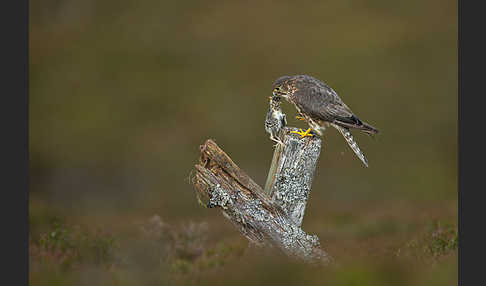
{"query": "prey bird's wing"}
pixel 284 120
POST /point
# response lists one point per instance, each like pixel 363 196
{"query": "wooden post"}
pixel 260 219
pixel 290 176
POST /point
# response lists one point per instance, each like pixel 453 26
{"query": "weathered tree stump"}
pixel 271 218
pixel 290 176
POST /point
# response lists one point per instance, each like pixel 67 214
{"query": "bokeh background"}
pixel 122 93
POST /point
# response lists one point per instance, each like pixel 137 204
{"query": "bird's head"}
pixel 282 87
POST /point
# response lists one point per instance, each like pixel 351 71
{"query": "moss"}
pixel 437 242
pixel 181 266
pixel 67 246
pixel 442 241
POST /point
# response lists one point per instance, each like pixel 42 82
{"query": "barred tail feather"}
pixel 354 146
pixel 369 129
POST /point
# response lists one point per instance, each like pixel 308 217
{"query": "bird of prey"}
pixel 275 120
pixel 320 106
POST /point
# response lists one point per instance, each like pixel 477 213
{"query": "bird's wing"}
pixel 323 103
pixel 284 120
pixel 320 102
pixel 268 117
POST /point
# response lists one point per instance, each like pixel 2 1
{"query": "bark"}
pixel 290 176
pixel 261 219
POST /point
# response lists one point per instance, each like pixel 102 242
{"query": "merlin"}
pixel 275 120
pixel 320 106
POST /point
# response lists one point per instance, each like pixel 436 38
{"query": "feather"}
pixel 354 146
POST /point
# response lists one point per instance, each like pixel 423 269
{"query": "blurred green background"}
pixel 122 93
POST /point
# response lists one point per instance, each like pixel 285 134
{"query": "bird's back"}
pixel 322 103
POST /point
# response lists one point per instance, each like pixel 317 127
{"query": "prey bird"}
pixel 320 106
pixel 275 120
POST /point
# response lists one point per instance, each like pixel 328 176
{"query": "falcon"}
pixel 320 106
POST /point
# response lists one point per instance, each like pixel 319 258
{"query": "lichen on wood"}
pixel 261 219
pixel 290 177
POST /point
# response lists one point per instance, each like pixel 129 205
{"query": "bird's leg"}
pixel 303 133
pixel 300 117
pixel 279 142
pixel 307 133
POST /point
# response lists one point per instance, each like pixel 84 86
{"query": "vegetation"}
pixel 154 252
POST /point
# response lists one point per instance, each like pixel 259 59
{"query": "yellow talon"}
pixel 299 117
pixel 297 132
pixel 307 133
pixel 303 133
